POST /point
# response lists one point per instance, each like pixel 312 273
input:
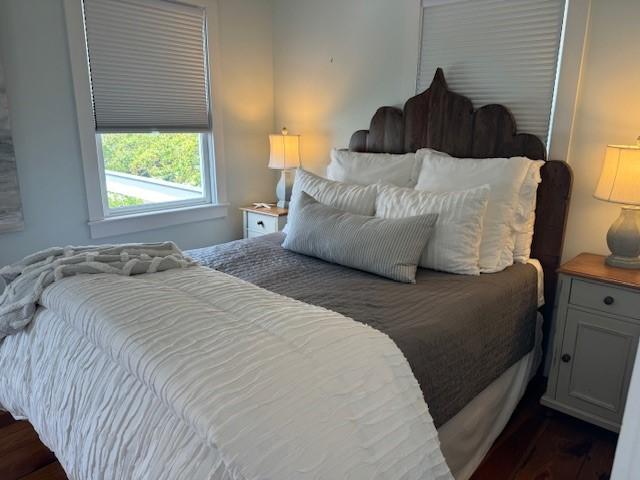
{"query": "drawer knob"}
pixel 566 358
pixel 608 300
pixel 261 223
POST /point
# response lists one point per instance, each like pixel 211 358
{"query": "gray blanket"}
pixel 459 333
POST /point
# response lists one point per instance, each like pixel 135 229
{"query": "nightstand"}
pixel 260 221
pixel 595 339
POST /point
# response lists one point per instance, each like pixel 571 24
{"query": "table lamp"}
pixel 284 155
pixel 620 183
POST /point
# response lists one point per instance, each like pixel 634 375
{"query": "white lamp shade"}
pixel 284 151
pixel 620 177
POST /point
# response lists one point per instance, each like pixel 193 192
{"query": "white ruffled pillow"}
pixel 440 172
pixel 455 244
pixel 369 168
pixel 526 212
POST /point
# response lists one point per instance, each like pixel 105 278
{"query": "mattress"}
pixel 459 333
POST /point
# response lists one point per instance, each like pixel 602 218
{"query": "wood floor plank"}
pixel 599 462
pixel 539 443
pixel 5 419
pixel 52 471
pixel 21 451
pixel 559 453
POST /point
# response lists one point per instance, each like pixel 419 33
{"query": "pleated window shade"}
pixel 148 65
pixel 496 51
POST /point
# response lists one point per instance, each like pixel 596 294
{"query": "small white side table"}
pixel 260 221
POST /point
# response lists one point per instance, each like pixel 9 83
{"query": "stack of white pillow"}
pixel 485 207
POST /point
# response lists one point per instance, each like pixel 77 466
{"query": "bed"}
pixel 460 334
pixel 472 343
pixel 297 402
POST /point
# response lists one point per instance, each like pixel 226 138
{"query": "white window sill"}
pixel 139 222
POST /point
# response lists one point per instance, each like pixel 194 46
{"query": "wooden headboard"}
pixel 446 121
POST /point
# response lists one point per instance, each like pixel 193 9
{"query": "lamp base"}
pixel 623 239
pixel 622 262
pixel 284 187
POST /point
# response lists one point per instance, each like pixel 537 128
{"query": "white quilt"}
pixel 193 374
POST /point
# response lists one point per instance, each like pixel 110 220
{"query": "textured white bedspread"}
pixel 193 374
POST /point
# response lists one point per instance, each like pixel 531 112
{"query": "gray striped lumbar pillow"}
pixel 387 247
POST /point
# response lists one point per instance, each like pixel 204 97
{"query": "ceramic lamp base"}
pixel 622 262
pixel 623 239
pixel 284 187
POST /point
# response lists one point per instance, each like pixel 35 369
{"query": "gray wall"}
pixel 33 45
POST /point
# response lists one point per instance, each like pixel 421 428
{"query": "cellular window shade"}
pixel 496 51
pixel 148 65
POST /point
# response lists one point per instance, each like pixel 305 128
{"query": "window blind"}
pixel 148 65
pixel 496 51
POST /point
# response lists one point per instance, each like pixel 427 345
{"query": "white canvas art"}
pixel 10 205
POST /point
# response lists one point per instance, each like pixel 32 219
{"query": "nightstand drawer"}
pixel 605 298
pixel 261 223
pixel 253 234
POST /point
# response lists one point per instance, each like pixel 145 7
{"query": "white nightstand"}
pixel 595 339
pixel 260 221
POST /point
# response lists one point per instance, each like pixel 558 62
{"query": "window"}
pixel 496 51
pixel 150 170
pixel 143 92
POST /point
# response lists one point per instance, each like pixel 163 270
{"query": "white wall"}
pixel 336 61
pixel 33 45
pixel 608 111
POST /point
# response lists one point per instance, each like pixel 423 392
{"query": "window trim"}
pixel 103 222
pixel 566 91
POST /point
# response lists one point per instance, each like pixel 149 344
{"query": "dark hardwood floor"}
pixel 538 444
pixel 542 444
pixel 22 455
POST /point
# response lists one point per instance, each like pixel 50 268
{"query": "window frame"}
pixel 104 221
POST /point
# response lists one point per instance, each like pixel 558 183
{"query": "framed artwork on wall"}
pixel 11 218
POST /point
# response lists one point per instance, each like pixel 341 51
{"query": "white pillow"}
pixel 356 199
pixel 455 244
pixel 526 212
pixel 369 168
pixel 440 172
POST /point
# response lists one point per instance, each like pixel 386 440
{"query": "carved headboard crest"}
pixel 446 121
